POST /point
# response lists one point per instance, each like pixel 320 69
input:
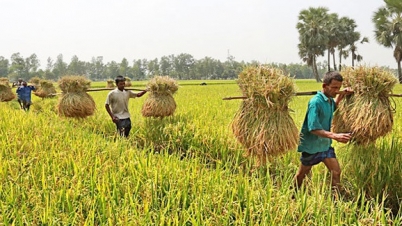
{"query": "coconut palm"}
pixel 313 35
pixel 388 29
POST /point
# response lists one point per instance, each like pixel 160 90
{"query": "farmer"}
pixel 24 95
pixel 18 83
pixel 117 106
pixel 316 137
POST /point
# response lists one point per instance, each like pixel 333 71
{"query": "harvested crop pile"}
pixel 160 101
pixel 128 82
pixel 6 94
pixel 75 102
pixel 367 113
pixel 46 89
pixel 263 124
pixel 110 84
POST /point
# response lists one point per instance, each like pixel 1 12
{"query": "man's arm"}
pixel 114 118
pixel 340 137
pixel 342 94
pixel 140 94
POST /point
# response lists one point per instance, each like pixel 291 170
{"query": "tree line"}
pixel 323 32
pixel 182 67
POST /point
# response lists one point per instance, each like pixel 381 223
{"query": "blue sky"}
pixel 247 29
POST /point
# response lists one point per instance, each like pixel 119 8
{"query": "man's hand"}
pixel 342 137
pixel 115 119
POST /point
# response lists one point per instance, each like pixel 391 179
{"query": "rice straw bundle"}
pixel 263 124
pixel 5 81
pixel 367 113
pixel 45 89
pixel 6 94
pixel 110 83
pixel 128 82
pixel 160 102
pixel 35 81
pixel 75 102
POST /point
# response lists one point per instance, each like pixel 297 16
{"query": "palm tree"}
pixel 394 3
pixel 353 48
pixel 313 36
pixel 333 32
pixel 388 29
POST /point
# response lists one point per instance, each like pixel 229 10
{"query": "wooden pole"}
pixel 299 94
pixel 103 89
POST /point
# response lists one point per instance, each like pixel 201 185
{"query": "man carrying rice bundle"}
pixel 24 95
pixel 316 136
pixel 117 106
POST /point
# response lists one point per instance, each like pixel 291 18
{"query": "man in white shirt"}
pixel 117 106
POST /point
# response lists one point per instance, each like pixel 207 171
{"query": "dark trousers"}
pixel 124 127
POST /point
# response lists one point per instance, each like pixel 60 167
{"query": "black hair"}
pixel 332 75
pixel 119 78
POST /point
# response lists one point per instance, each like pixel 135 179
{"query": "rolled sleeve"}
pixel 313 118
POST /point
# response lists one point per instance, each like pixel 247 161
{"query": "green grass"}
pixel 182 170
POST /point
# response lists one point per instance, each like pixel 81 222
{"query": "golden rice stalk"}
pixel 76 105
pixel 160 102
pixel 367 113
pixel 5 81
pixel 158 106
pixel 162 85
pixel 45 89
pixel 110 84
pixel 74 83
pixel 35 81
pixel 263 124
pixel 6 93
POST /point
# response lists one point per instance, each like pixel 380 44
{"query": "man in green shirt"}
pixel 316 136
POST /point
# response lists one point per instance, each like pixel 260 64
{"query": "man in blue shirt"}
pixel 316 136
pixel 24 95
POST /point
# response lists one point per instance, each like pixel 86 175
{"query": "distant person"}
pixel 316 136
pixel 117 106
pixel 24 95
pixel 18 83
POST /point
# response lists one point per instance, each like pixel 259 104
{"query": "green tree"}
pixel 76 67
pixel 333 32
pixel 124 68
pixel 153 67
pixel 60 67
pixel 17 68
pixel 4 66
pixel 388 29
pixel 313 36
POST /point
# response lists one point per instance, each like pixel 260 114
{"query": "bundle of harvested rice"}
pixel 6 94
pixel 160 102
pixel 5 81
pixel 367 113
pixel 35 81
pixel 128 82
pixel 46 89
pixel 110 83
pixel 263 124
pixel 75 102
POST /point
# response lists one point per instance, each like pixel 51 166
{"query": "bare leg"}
pixel 333 166
pixel 301 174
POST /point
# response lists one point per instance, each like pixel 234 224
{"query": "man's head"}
pixel 24 83
pixel 120 82
pixel 20 80
pixel 332 83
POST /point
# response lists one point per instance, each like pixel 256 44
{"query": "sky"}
pixel 261 30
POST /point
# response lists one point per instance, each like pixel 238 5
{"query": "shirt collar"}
pixel 323 95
